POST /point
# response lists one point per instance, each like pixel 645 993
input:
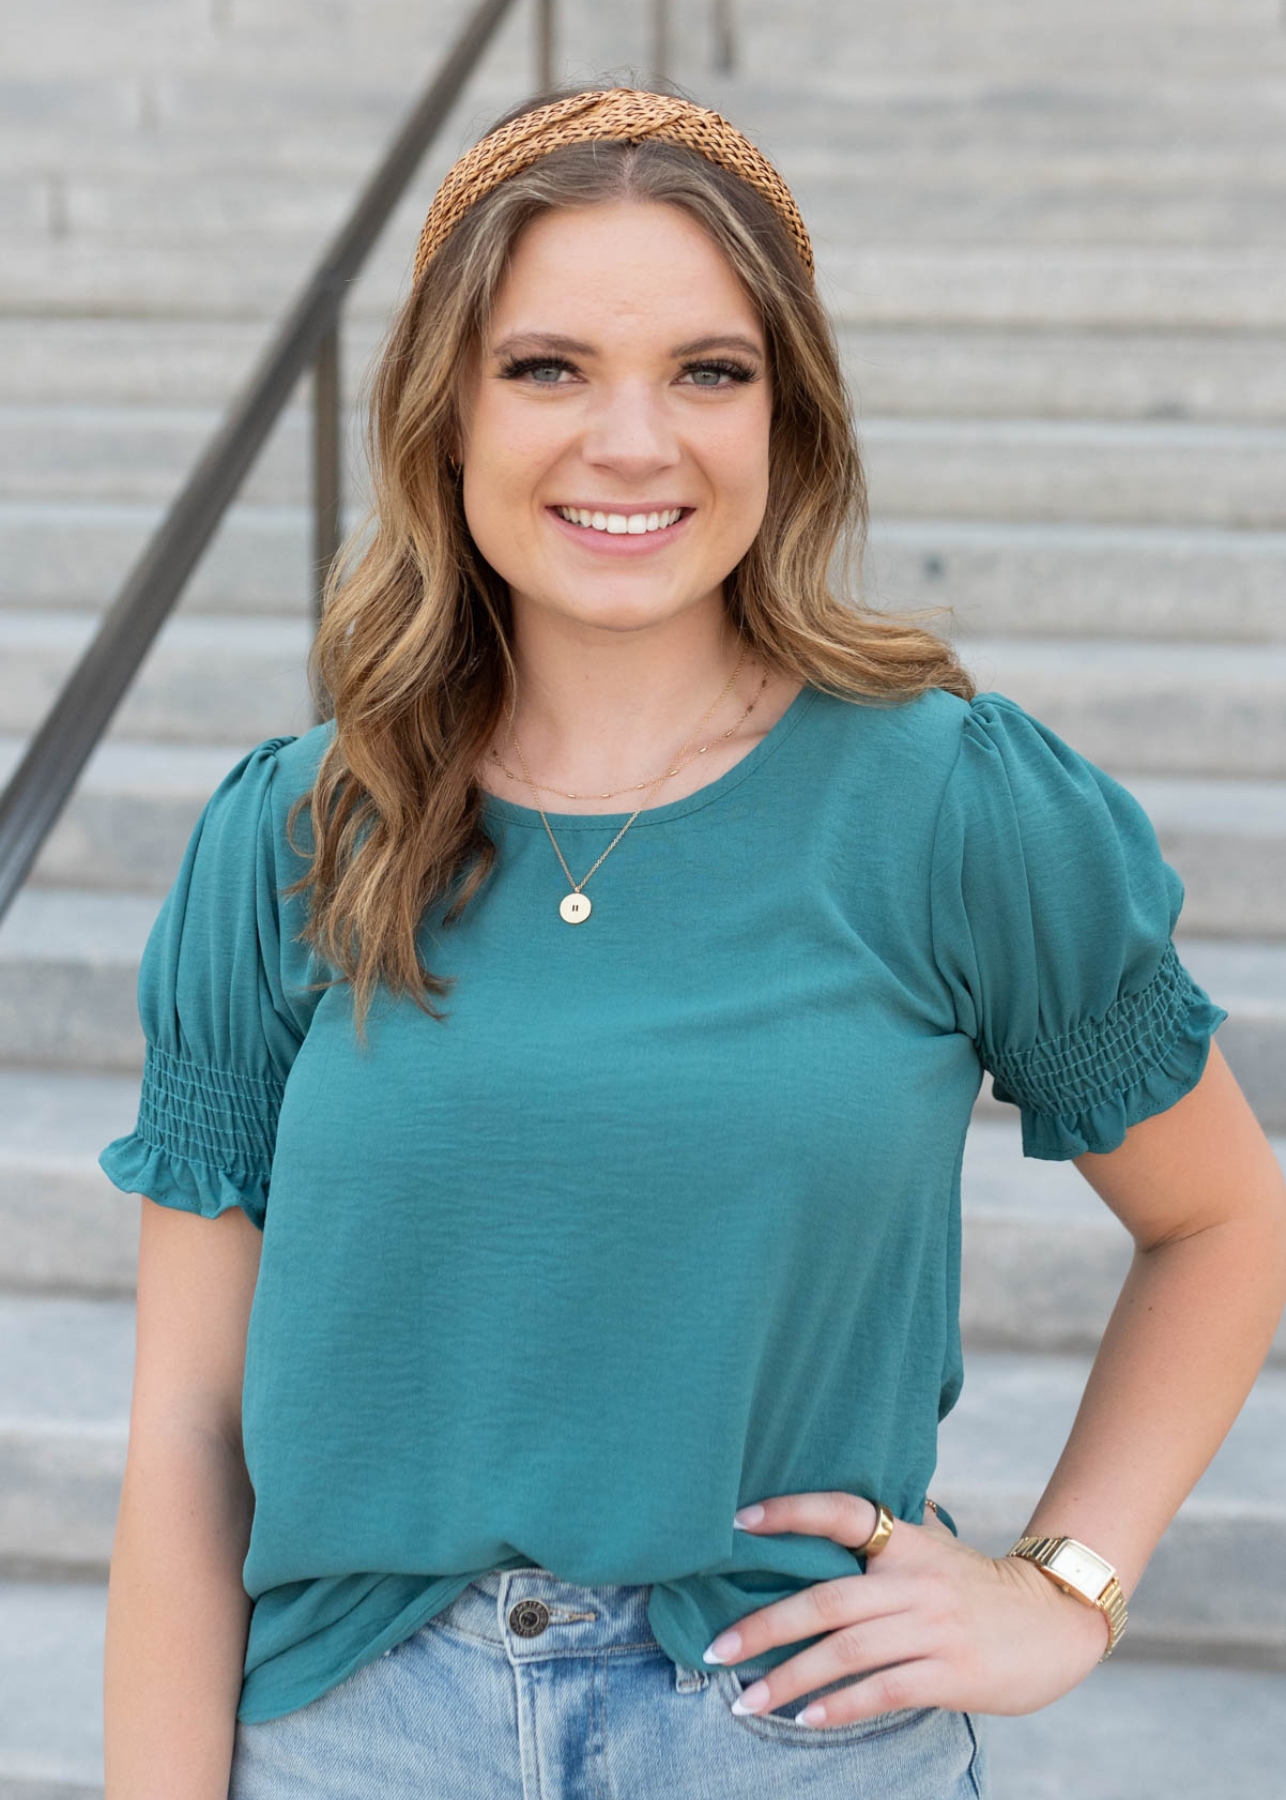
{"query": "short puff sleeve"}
pixel 219 1032
pixel 1053 917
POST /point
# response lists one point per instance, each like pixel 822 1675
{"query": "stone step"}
pixel 1106 287
pixel 920 371
pixel 110 278
pixel 1158 709
pixel 1200 1591
pixel 57 1237
pixel 1060 470
pixel 1200 143
pixel 145 453
pixel 921 47
pixel 1069 374
pixel 1182 1733
pixel 71 555
pixel 840 97
pixel 127 822
pixel 1110 472
pixel 1162 709
pixel 132 123
pixel 1042 213
pixel 81 46
pixel 1042 1257
pixel 1173 153
pixel 201 679
pixel 1107 582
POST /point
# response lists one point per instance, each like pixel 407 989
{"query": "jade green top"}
pixel 665 1217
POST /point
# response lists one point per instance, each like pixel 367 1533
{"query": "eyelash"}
pixel 509 371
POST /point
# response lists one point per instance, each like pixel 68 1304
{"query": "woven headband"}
pixel 627 114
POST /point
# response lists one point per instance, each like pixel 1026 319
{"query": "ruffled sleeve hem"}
pixel 1167 1028
pixel 137 1166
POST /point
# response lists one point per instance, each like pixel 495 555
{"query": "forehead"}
pixel 619 266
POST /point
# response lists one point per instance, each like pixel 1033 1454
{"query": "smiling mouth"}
pixel 620 524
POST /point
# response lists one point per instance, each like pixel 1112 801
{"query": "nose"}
pixel 629 431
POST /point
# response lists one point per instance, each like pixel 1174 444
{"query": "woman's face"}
pixel 625 375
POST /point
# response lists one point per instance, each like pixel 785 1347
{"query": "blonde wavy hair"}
pixel 413 648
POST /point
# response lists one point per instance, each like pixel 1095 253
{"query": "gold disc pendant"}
pixel 575 908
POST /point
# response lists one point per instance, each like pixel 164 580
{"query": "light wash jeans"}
pixel 530 1688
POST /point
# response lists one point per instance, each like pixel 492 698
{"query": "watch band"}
pixel 1081 1571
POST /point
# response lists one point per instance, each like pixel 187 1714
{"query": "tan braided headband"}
pixel 627 114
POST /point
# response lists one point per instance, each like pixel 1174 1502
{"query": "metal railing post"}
pixel 328 434
pixel 724 43
pixel 660 39
pixel 544 22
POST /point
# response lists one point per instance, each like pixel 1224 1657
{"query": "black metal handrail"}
pixel 308 336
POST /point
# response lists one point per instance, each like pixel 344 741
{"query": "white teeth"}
pixel 632 523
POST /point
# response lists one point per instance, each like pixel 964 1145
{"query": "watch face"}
pixel 1082 1568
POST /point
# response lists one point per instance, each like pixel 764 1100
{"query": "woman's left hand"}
pixel 944 1624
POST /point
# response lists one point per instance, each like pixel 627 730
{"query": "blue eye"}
pixel 526 365
pixel 735 370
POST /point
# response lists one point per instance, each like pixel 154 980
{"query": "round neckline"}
pixel 497 807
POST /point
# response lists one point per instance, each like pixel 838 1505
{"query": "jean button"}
pixel 528 1617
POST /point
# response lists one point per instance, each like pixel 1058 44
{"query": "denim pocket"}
pixel 780 1723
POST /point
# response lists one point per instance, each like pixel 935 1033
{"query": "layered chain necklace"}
pixel 575 906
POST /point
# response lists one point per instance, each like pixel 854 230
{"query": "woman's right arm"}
pixel 177 1611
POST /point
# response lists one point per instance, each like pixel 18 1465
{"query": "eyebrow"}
pixel 554 340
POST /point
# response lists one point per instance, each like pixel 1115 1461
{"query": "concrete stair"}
pixel 1054 249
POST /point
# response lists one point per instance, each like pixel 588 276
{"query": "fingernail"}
pixel 748 1515
pixel 811 1715
pixel 755 1696
pixel 724 1647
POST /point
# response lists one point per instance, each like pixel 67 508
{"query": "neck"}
pixel 605 707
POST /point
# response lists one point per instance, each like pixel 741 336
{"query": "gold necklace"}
pixel 574 907
pixel 633 787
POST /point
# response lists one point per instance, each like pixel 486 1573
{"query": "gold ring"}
pixel 882 1533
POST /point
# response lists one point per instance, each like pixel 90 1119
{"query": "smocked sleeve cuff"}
pixel 1083 1090
pixel 203 1141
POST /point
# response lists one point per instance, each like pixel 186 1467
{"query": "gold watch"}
pixel 1079 1570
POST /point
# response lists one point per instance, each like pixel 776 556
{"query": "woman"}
pixel 658 1216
